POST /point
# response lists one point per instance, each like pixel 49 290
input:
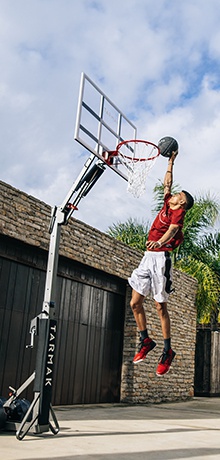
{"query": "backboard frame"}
pixel 99 122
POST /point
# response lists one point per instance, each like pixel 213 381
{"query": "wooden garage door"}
pixel 90 308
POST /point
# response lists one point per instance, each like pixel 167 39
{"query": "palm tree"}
pixel 198 255
pixel 203 262
pixel 199 220
pixel 132 233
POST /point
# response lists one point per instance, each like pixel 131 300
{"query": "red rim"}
pixel 142 142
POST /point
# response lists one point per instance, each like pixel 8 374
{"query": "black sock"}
pixel 144 334
pixel 167 344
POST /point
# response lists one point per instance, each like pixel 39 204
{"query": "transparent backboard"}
pixel 100 125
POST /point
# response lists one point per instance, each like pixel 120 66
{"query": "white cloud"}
pixel 157 61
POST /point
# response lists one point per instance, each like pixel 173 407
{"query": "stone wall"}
pixel 25 218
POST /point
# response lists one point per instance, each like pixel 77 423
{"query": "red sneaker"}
pixel 146 345
pixel 165 362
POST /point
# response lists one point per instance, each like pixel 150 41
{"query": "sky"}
pixel 158 62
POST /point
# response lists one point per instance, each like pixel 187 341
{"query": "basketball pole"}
pixel 40 416
pixel 106 120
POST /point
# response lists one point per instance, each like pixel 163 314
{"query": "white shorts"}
pixel 153 276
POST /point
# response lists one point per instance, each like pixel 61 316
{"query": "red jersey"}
pixel 164 219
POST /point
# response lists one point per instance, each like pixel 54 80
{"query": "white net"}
pixel 138 157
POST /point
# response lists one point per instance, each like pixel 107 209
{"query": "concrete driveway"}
pixel 169 431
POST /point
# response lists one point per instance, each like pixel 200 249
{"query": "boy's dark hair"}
pixel 189 200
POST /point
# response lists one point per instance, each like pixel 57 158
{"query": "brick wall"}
pixel 25 218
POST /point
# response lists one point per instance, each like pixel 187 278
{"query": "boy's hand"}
pixel 153 245
pixel 173 156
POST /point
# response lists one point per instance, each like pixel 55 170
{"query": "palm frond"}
pixel 130 232
pixel 208 294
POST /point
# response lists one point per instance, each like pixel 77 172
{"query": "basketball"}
pixel 167 145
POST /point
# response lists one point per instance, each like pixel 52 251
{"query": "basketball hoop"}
pixel 138 156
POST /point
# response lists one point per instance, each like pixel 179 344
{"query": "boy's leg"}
pixel 146 344
pixel 136 304
pixel 164 318
pixel 168 354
